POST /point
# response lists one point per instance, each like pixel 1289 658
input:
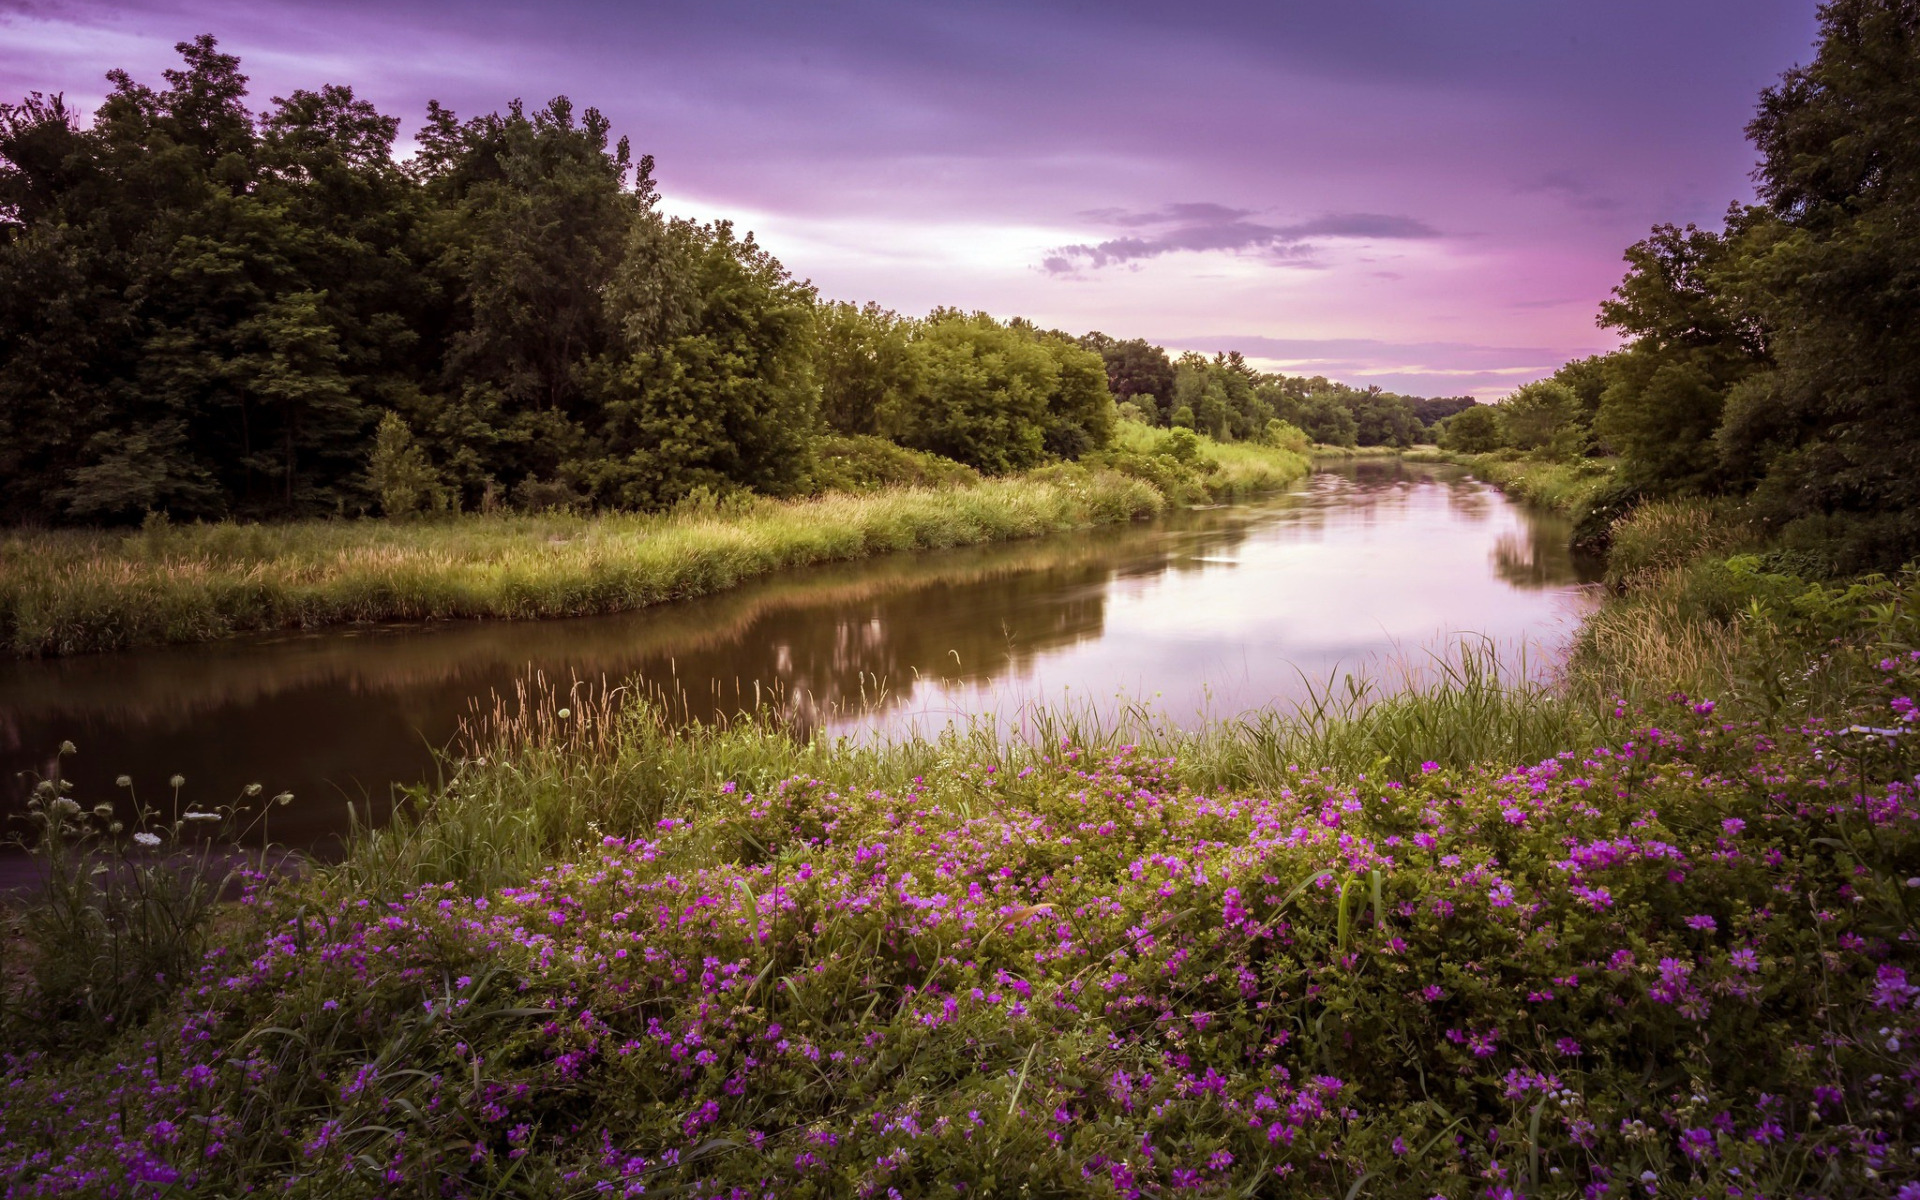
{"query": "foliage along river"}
pixel 1211 611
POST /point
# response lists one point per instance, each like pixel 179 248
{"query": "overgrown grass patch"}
pixel 75 592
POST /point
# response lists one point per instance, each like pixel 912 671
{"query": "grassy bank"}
pixel 1323 450
pixel 1565 487
pixel 1653 930
pixel 72 592
pixel 1105 962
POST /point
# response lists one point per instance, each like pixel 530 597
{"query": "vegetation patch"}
pixel 66 592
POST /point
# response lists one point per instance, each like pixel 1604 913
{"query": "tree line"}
pixel 1777 359
pixel 208 312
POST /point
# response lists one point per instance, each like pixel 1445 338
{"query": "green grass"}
pixel 76 592
pixel 1388 944
pixel 1649 921
pixel 1567 487
pixel 1325 450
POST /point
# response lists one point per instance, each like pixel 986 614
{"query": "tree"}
pixel 1137 371
pixel 1544 416
pixel 1692 343
pixel 1475 430
pixel 863 367
pixel 534 216
pixel 399 473
pixel 983 392
pixel 1832 431
pixel 712 385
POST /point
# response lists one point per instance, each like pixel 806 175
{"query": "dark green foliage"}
pixel 1137 371
pixel 1001 397
pixel 1475 430
pixel 1691 344
pixel 1545 417
pixel 713 384
pixel 1431 413
pixel 210 312
pixel 1831 267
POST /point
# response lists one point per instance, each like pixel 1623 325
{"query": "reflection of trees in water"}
pixel 872 653
pixel 1539 555
pixel 352 711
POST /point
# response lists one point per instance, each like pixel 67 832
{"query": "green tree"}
pixel 1545 417
pixel 1833 429
pixel 533 215
pixel 984 391
pixel 1137 371
pixel 712 385
pixel 1475 430
pixel 399 474
pixel 863 366
pixel 1692 344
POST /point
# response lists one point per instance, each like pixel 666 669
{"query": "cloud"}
pixel 1200 227
pixel 1575 193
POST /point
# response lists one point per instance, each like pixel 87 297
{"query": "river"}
pixel 1362 567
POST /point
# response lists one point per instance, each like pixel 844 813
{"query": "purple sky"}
pixel 1431 195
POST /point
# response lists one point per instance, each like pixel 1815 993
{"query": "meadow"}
pixel 1646 931
pixel 71 591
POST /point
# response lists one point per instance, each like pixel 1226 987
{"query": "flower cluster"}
pixel 1684 960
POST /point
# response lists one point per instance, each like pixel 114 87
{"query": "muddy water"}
pixel 1207 612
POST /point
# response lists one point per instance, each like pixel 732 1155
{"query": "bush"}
pixel 863 464
pixel 1287 436
pixel 1474 430
pixel 1661 535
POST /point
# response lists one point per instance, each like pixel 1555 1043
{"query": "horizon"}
pixel 1433 204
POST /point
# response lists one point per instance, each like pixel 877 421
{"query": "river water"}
pixel 1360 568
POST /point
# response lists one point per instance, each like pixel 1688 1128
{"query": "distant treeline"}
pixel 1777 360
pixel 209 312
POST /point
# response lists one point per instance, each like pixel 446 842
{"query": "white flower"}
pixel 123 781
pixel 147 839
pixel 178 781
pixel 200 816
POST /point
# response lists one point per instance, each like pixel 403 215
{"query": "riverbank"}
pixel 1489 930
pixel 1566 487
pixel 75 592
pixel 1485 931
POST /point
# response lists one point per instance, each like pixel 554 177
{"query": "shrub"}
pixel 1663 534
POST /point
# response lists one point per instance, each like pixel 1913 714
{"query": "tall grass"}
pixel 74 592
pixel 544 773
pixel 1568 487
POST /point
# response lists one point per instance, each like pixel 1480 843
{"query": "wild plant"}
pixel 125 898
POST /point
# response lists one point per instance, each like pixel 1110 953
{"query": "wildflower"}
pixel 1702 922
pixel 125 781
pixel 67 748
pixel 200 816
pixel 253 789
pixel 177 782
pixel 147 839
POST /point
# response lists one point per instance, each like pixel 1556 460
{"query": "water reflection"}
pixel 1219 609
